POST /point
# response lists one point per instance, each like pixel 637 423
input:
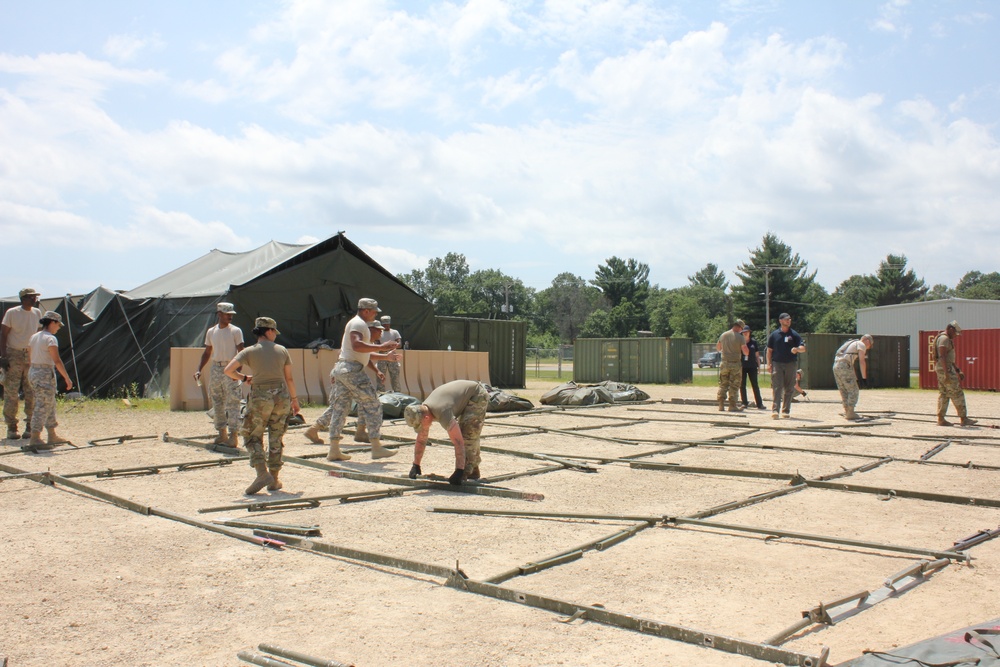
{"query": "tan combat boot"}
pixel 234 440
pixel 941 421
pixel 967 420
pixel 54 438
pixel 850 414
pixel 37 442
pixel 361 433
pixel 312 434
pixel 722 405
pixel 380 452
pixel 222 438
pixel 335 453
pixel 276 484
pixel 263 479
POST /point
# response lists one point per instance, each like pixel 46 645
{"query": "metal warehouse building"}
pixel 908 319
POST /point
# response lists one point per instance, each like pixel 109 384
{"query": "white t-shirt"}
pixel 23 325
pixel 849 352
pixel 347 352
pixel 390 335
pixel 224 342
pixel 39 345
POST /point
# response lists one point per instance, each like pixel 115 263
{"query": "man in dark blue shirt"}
pixel 782 346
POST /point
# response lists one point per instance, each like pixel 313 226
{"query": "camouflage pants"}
pixel 323 421
pixel 730 375
pixel 350 382
pixel 847 383
pixel 225 393
pixel 390 369
pixel 43 381
pixel 471 422
pixel 950 388
pixel 16 379
pixel 268 410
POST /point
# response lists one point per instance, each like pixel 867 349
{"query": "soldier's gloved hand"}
pixel 414 471
pixel 456 477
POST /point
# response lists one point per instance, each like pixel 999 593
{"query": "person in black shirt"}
pixel 782 346
pixel 751 363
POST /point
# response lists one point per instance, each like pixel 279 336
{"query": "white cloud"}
pixel 125 48
pixel 890 18
pixel 396 260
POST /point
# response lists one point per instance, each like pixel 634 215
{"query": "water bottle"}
pixel 197 379
pixel 449 348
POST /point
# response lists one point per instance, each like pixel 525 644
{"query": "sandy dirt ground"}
pixel 88 582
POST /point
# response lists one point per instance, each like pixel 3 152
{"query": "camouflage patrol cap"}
pixel 227 308
pixel 266 323
pixel 413 416
pixel 28 291
pixel 385 319
pixel 368 304
pixel 375 324
pixel 52 316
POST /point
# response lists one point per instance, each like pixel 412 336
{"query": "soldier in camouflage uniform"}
pixel 222 342
pixel 272 397
pixel 45 361
pixel 351 382
pixel 949 376
pixel 390 368
pixel 361 432
pixel 460 407
pixel 733 347
pixel 843 371
pixel 19 325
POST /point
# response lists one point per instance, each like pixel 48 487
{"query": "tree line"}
pixel 619 301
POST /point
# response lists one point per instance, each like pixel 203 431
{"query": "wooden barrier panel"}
pixel 309 382
pixel 185 394
pixel 420 372
pixel 411 373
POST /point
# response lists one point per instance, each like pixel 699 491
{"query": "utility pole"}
pixel 767 268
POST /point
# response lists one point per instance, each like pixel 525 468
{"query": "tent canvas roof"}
pixel 213 273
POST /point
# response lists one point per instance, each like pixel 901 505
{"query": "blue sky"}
pixel 532 137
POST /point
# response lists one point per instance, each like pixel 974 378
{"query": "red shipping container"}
pixel 977 353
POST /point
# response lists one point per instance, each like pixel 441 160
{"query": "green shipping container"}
pixel 888 360
pixel 505 340
pixel 632 360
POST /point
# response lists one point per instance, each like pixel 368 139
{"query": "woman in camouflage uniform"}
pixel 44 350
pixel 271 400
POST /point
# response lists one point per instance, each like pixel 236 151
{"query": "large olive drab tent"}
pixel 311 290
pixel 120 353
pixel 313 296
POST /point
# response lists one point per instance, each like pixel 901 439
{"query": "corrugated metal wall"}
pixel 680 356
pixel 977 353
pixel 632 360
pixel 908 319
pixel 888 360
pixel 505 340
